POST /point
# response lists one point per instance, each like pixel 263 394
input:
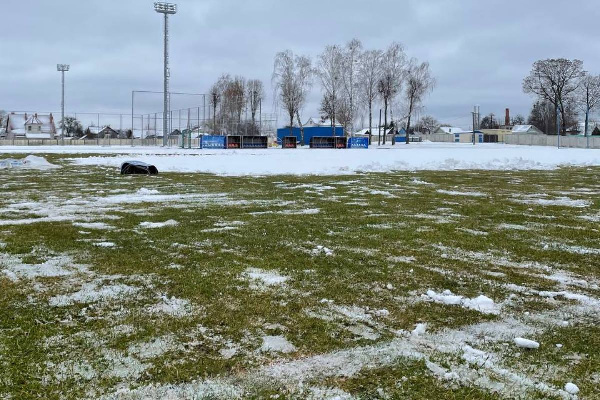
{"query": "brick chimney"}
pixel 507 118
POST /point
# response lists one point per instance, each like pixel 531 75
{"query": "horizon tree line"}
pixel 352 80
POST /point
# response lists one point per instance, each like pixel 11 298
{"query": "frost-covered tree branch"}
pixel 419 82
pixel 292 80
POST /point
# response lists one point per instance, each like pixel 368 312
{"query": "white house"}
pixel 317 121
pixel 24 126
pixel 525 129
pixel 592 124
pixel 451 130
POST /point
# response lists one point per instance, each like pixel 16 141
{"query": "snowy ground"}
pixel 419 156
pixel 412 284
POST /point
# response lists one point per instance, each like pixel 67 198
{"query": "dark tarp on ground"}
pixel 138 168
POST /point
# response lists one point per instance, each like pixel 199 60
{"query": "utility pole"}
pixel 62 68
pixel 379 136
pixel 558 125
pixel 166 9
pixel 587 121
pixel 474 115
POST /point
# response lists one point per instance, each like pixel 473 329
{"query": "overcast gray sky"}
pixel 479 50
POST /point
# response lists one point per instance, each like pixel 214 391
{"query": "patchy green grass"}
pixel 335 268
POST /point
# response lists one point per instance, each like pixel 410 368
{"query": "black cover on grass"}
pixel 138 168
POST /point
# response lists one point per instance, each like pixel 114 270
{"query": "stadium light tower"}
pixel 166 9
pixel 62 68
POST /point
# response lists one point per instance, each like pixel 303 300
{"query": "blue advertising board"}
pixel 212 142
pixel 309 132
pixel 358 143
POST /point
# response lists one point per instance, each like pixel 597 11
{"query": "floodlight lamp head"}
pixel 165 8
pixel 62 67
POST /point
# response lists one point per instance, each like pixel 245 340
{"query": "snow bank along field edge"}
pixel 418 156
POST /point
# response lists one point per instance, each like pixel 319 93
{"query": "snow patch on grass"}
pixel 155 225
pixel 262 278
pixel 459 193
pixel 481 303
pixel 172 306
pixel 105 244
pixel 278 344
pixel 93 225
pixel 59 266
pixel 554 202
pixel 93 292
pixel 154 348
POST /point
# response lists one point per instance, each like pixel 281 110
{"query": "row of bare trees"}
pixel 352 80
pixel 230 98
pixel 562 87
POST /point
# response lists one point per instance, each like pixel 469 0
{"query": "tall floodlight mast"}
pixel 62 68
pixel 166 9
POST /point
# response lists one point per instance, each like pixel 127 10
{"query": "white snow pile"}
pixel 481 303
pixel 29 162
pixel 526 343
pixel 154 225
pixel 571 388
pixel 93 225
pixel 421 156
pixel 322 250
pixel 419 330
pixel 105 244
pixel 276 344
pixel 144 191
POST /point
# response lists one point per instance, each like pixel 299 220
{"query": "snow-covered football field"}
pixel 423 271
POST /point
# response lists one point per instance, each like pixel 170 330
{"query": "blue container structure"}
pixel 358 143
pixel 309 133
pixel 255 142
pixel 212 142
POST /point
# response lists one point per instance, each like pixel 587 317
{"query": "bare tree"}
pixel 588 96
pixel 489 122
pixel 518 120
pixel 292 80
pixel 256 94
pixel 344 113
pixel 427 124
pixel 391 79
pixel 234 102
pixel 72 126
pixel 329 69
pixel 2 117
pixel 216 97
pixel 215 100
pixel 368 76
pixel 556 81
pixel 351 61
pixel 418 83
pixel 326 108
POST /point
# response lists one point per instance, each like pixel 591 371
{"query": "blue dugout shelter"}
pixel 309 132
